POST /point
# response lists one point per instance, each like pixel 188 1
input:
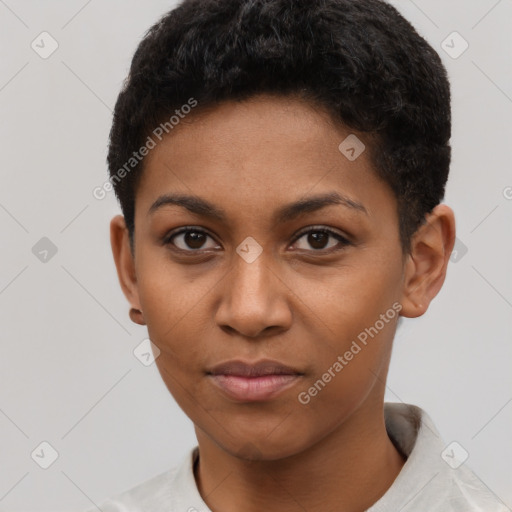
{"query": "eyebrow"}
pixel 286 213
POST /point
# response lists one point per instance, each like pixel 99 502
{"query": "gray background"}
pixel 68 373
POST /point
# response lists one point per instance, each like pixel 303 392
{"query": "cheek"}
pixel 348 299
pixel 342 383
pixel 355 312
pixel 172 298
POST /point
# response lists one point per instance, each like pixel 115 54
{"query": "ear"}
pixel 125 264
pixel 425 266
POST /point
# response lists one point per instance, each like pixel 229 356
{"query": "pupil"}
pixel 194 239
pixel 315 239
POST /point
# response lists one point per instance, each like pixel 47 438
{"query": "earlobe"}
pixel 137 317
pixel 426 265
pixel 125 265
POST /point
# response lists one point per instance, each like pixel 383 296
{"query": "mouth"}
pixel 251 382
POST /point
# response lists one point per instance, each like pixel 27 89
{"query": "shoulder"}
pixel 458 490
pixel 172 490
pixel 431 480
pixel 152 495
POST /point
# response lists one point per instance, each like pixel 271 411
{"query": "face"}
pixel 257 239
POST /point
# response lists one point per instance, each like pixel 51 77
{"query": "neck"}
pixel 349 469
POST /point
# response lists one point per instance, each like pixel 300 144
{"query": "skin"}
pixel 302 301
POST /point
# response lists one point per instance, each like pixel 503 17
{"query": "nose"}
pixel 254 299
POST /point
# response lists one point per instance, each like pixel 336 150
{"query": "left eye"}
pixel 318 239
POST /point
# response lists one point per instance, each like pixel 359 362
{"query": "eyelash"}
pixel 343 241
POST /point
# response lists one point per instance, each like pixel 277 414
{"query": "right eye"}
pixel 190 240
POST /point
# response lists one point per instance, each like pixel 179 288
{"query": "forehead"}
pixel 260 153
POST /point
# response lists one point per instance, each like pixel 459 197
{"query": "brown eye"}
pixel 191 240
pixel 320 239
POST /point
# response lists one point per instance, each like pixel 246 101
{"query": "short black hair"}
pixel 359 60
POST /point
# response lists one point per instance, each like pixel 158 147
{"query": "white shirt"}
pixel 431 480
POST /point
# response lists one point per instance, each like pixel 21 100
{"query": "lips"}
pixel 258 369
pixel 250 382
